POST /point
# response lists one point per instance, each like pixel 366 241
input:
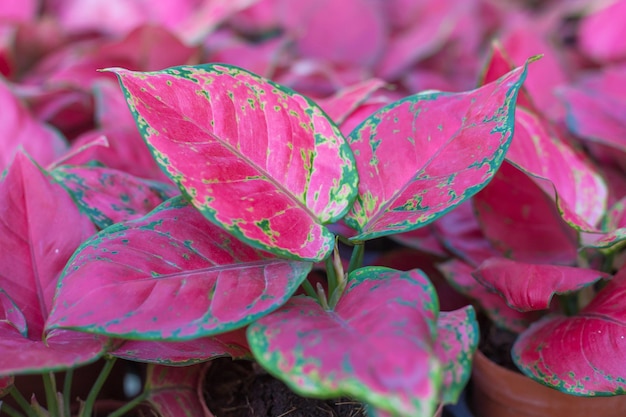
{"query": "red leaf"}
pixel 381 354
pixel 421 156
pixel 20 130
pixel 176 391
pixel 582 354
pixel 601 32
pixel 255 158
pixel 528 287
pixel 344 102
pixel 522 222
pixel 170 275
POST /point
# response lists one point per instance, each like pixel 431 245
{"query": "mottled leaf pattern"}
pixel 347 351
pixel 170 275
pixel 421 156
pixel 527 287
pixel 110 196
pixel 583 354
pixel 456 343
pixel 257 159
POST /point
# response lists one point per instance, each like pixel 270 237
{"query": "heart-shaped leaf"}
pixel 175 391
pixel 582 354
pixel 254 157
pixel 528 287
pixel 170 275
pixel 421 156
pixel 456 343
pixel 522 222
pixel 40 227
pixel 110 196
pixel 233 344
pixel 459 275
pixel 381 354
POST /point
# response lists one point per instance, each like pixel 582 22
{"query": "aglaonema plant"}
pixel 266 177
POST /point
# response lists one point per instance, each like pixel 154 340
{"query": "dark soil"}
pixel 496 344
pixel 243 389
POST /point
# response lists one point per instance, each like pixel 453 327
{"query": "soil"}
pixel 243 389
pixel 496 344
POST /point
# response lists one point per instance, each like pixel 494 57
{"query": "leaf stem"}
pixel 331 274
pixel 356 259
pixel 50 386
pixel 321 295
pixel 12 412
pixel 123 410
pixel 97 386
pixel 21 401
pixel 308 289
pixel 569 304
pixel 67 389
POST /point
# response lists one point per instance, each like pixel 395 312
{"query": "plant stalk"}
pixel 97 386
pixel 331 274
pixel 21 401
pixel 308 289
pixel 50 386
pixel 67 389
pixel 123 410
pixel 356 259
pixel 12 412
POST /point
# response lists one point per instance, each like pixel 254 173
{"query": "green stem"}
pixel 22 402
pixel 97 386
pixel 331 274
pixel 12 412
pixel 308 289
pixel 356 260
pixel 569 303
pixel 67 389
pixel 50 386
pixel 607 263
pixel 321 295
pixel 122 411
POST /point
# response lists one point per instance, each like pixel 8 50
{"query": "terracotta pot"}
pixel 499 392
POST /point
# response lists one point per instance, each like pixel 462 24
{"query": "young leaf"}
pixel 233 344
pixel 174 391
pixel 456 343
pixel 421 156
pixel 382 354
pixel 257 159
pixel 40 227
pixel 170 275
pixel 522 222
pixel 528 287
pixel 582 354
pixel 110 196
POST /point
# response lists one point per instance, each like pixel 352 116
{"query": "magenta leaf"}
pixel 601 32
pixel 175 391
pixel 583 354
pixel 522 222
pixel 233 344
pixel 170 275
pixel 459 275
pixel 382 355
pixel 578 190
pixel 257 159
pixel 456 343
pixel 20 130
pixel 346 101
pixel 110 196
pixel 528 287
pixel 40 227
pixel 423 239
pixel 421 156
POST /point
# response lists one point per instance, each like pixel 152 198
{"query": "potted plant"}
pixel 537 251
pixel 265 175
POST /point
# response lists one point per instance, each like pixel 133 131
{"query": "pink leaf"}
pixel 278 169
pixel 40 227
pixel 423 239
pixel 559 170
pixel 528 287
pixel 382 355
pixel 601 32
pixel 175 391
pixel 421 156
pixel 583 354
pixel 109 196
pixel 456 343
pixel 170 275
pixel 233 344
pixel 18 10
pixel 347 100
pixel 459 275
pixel 20 130
pixel 522 222
pixel 313 24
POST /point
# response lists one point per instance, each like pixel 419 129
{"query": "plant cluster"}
pixel 195 225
